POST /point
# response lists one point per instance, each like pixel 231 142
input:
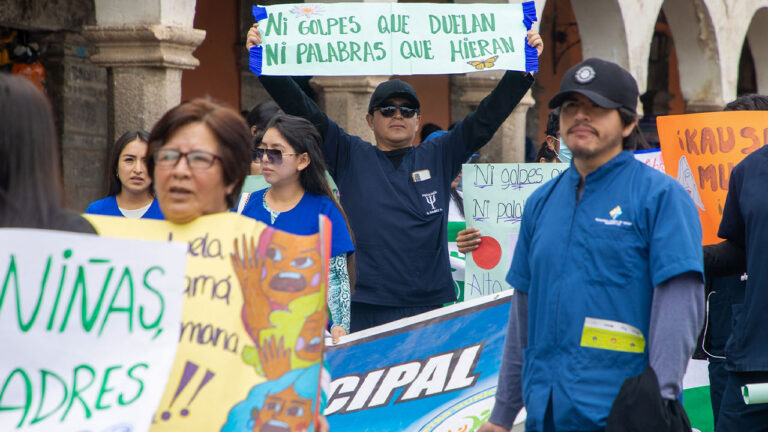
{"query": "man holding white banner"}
pixel 396 195
pixel 627 300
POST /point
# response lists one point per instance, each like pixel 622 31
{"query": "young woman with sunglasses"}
pixel 289 153
pixel 129 187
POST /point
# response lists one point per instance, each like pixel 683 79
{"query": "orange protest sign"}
pixel 700 150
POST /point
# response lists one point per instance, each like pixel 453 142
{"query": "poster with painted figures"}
pixel 392 38
pixel 251 333
pixel 434 372
pixel 700 151
pixel 494 201
pixel 89 328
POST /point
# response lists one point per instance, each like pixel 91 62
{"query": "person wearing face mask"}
pixel 129 188
pixel 396 194
pixel 552 139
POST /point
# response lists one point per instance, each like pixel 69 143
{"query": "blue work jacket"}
pixel 596 259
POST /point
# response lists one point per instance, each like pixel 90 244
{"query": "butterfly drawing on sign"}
pixel 484 64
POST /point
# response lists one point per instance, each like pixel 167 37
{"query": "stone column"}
pixel 78 89
pixel 508 143
pixel 144 45
pixel 345 100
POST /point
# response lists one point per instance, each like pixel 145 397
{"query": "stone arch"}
pixel 698 59
pixel 757 34
pixel 602 30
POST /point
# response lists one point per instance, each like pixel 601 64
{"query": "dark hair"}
pixel 114 185
pixel 30 176
pixel 302 135
pixel 635 140
pixel 260 115
pixel 545 152
pixel 427 130
pixel 750 102
pixel 553 123
pixel 226 125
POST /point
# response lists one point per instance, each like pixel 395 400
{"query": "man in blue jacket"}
pixel 628 292
pixel 396 195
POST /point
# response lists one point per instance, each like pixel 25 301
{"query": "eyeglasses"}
pixel 196 159
pixel 389 111
pixel 274 156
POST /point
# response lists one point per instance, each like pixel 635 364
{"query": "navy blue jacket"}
pixel 745 222
pixel 399 218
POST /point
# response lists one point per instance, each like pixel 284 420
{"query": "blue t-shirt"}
pixel 303 219
pixel 598 258
pixel 108 207
pixel 745 221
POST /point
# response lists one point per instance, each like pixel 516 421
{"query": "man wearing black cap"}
pixel 629 292
pixel 396 195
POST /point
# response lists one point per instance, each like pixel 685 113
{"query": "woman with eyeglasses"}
pixel 291 161
pixel 200 156
pixel 30 177
pixel 129 188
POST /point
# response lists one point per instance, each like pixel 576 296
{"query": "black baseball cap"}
pixel 604 83
pixel 393 89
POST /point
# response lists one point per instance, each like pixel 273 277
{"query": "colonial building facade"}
pixel 113 65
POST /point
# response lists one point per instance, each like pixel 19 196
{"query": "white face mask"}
pixel 565 154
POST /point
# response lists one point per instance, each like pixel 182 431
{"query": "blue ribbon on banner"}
pixel 531 55
pixel 255 53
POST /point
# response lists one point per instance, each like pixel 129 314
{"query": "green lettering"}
pixel 128 309
pixel 270 54
pixel 138 380
pixel 43 376
pixel 379 46
pixel 508 45
pixel 488 22
pixel 332 55
pixel 482 45
pixel 27 393
pixel 434 24
pixel 76 391
pixel 273 24
pixel 104 389
pixel 86 321
pixel 12 271
pixel 354 51
pixel 160 298
pixel 455 50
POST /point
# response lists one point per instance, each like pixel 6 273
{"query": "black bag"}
pixel 639 407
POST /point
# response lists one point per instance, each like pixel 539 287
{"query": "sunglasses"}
pixel 274 156
pixel 406 112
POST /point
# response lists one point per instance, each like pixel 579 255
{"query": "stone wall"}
pixel 77 88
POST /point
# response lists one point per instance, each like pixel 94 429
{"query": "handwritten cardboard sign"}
pixel 700 150
pixel 252 327
pixel 494 199
pixel 89 328
pixel 392 38
pixel 652 158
